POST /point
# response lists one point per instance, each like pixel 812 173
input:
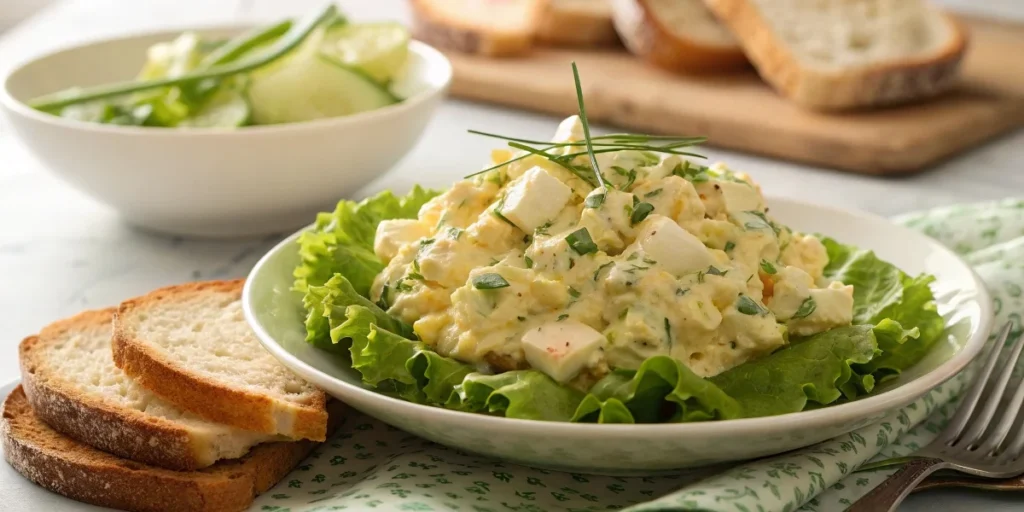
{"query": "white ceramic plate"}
pixel 275 314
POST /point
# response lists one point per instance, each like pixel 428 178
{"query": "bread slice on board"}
pixel 190 345
pixel 81 472
pixel 839 54
pixel 72 383
pixel 586 23
pixel 678 35
pixel 494 28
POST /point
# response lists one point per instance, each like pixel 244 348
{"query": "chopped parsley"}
pixel 691 172
pixel 729 246
pixel 806 308
pixel 748 306
pixel 602 267
pixel 581 242
pixel 713 271
pixel 454 233
pixel 630 176
pixel 668 332
pixel 562 317
pixel 529 261
pixel 653 193
pixel 682 291
pixel 382 302
pixel 521 318
pixel 402 286
pixel 768 268
pixel 640 212
pixel 594 201
pixel 489 282
pixel 574 293
pixel 543 229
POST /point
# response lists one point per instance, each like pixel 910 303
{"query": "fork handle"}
pixel 890 493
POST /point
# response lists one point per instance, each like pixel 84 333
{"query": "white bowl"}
pixel 214 182
pixel 276 316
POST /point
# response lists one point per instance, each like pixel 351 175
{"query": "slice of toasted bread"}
pixel 494 28
pixel 679 35
pixel 83 473
pixel 839 54
pixel 576 23
pixel 70 379
pixel 191 345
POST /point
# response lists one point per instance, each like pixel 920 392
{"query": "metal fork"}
pixel 977 439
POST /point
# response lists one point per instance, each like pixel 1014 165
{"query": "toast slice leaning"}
pixel 190 345
pixel 586 23
pixel 493 28
pixel 678 35
pixel 81 472
pixel 73 385
pixel 841 54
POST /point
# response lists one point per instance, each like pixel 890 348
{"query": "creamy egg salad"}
pixel 530 266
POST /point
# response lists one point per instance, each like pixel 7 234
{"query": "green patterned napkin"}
pixel 370 465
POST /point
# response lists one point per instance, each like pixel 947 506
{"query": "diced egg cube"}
pixel 672 247
pixel 534 199
pixel 393 234
pixel 561 349
pixel 740 197
pixel 833 307
pixel 791 287
pixel 569 130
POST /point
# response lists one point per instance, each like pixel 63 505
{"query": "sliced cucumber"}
pixel 379 49
pixel 228 108
pixel 307 85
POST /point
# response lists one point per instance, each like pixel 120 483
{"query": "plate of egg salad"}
pixel 613 279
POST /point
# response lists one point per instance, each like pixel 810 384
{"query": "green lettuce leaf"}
pixel 661 390
pixel 326 307
pixel 342 241
pixel 882 291
pixel 816 369
pixel 523 394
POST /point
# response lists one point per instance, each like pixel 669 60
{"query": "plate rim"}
pixel 822 417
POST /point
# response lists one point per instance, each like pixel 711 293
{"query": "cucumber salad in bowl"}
pixel 611 279
pixel 321 67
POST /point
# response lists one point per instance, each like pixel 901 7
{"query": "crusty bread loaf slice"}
pixel 495 28
pixel 838 54
pixel 83 473
pixel 679 35
pixel 73 385
pixel 190 344
pixel 576 23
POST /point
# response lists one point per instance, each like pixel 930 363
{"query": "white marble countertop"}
pixel 60 252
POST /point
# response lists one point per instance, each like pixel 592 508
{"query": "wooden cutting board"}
pixel 739 111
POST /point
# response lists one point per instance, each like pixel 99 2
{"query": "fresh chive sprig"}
pixel 591 145
pixel 586 125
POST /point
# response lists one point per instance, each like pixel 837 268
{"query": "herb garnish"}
pixel 581 242
pixel 768 267
pixel 489 282
pixel 602 267
pixel 594 201
pixel 640 212
pixel 529 261
pixel 806 308
pixel 748 306
pixel 591 146
pixel 729 246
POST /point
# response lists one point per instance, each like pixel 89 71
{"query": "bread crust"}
pixel 125 432
pixel 647 37
pixel 573 27
pixel 200 395
pixel 81 472
pixel 452 34
pixel 875 85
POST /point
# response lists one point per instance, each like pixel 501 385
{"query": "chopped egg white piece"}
pixel 562 349
pixel 534 199
pixel 672 247
pixel 393 234
pixel 833 307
